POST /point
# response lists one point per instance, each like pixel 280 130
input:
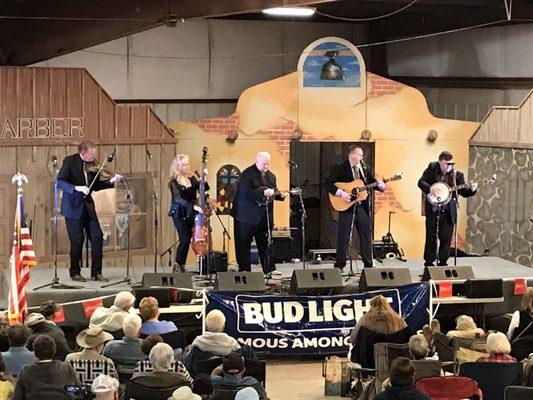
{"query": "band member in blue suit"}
pixel 255 192
pixel 77 206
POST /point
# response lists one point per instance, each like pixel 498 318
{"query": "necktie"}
pixel 355 170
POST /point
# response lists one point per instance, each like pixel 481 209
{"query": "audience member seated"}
pixel 230 375
pixel 379 318
pixel 149 342
pixel 18 355
pixel 111 319
pixel 380 324
pixel 45 378
pixel 38 325
pixel 520 332
pixel 92 341
pixel 7 383
pixel 402 379
pixel 48 309
pixel 214 342
pixel 203 386
pixel 149 310
pixel 161 357
pixel 419 349
pixel 128 350
pixel 465 328
pixel 105 388
pixel 144 365
pixel 4 326
pixel 248 393
pixel 498 348
pixel 184 393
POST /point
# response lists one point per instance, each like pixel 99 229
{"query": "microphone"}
pixel 54 160
pixel 111 156
pixel 149 154
pixel 363 163
pixel 293 164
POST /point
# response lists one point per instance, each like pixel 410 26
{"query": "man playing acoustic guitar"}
pixel 358 214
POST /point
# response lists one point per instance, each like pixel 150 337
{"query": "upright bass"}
pixel 201 234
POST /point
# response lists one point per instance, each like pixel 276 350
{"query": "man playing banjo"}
pixel 437 182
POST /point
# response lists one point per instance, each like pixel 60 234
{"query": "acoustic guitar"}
pixel 358 191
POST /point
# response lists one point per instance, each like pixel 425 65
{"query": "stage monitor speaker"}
pixel 315 282
pixel 162 295
pixel 177 280
pixel 448 273
pixel 218 262
pixel 378 278
pixel 483 288
pixel 240 282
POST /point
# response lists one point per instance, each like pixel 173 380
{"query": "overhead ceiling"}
pixel 36 30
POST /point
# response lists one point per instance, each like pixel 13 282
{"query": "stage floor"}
pixel 484 268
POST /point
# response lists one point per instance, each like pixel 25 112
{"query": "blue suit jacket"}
pixel 71 175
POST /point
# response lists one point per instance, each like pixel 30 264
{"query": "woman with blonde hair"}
pixel 379 318
pixel 184 188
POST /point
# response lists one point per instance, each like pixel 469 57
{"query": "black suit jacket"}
pixel 343 173
pixel 249 203
pixel 71 175
pixel 431 175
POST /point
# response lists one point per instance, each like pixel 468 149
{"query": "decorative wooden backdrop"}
pixel 46 112
pixel 500 216
pixel 507 126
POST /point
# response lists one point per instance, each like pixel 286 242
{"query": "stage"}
pixel 483 267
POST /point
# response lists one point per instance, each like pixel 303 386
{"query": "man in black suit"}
pixel 255 191
pixel 77 206
pixel 359 214
pixel 441 171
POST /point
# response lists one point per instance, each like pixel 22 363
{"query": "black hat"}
pixel 233 364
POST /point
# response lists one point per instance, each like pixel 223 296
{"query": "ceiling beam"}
pixel 67 25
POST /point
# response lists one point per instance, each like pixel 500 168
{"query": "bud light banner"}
pixel 295 325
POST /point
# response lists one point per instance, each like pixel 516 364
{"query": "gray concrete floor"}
pixel 295 380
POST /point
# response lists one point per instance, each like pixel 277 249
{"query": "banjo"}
pixel 443 192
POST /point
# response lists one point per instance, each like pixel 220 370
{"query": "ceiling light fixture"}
pixel 290 11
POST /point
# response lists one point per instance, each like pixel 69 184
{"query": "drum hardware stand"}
pixel 55 284
pixel 303 215
pixel 127 279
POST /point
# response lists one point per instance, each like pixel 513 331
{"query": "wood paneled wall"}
pixel 507 126
pixel 46 112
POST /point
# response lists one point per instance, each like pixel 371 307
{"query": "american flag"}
pixel 22 258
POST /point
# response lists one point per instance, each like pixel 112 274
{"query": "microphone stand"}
pixel 155 218
pixel 225 232
pixel 303 214
pixel 55 284
pixel 127 278
pixel 169 251
pixel 269 238
pixel 454 175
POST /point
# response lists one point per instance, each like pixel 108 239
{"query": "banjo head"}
pixel 443 195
